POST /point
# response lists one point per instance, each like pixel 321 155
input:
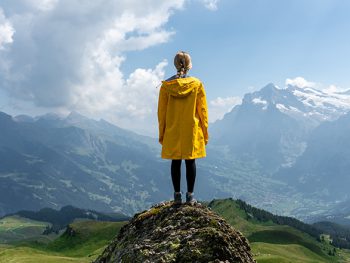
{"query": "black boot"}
pixel 177 198
pixel 190 199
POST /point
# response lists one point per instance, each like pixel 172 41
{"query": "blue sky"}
pixel 104 59
pixel 251 43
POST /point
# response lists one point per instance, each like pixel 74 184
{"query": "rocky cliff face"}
pixel 169 233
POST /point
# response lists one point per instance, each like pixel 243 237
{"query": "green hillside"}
pixel 272 242
pixel 85 238
pixel 59 219
pixel 16 228
pixel 83 241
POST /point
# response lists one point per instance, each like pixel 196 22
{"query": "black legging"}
pixel 190 174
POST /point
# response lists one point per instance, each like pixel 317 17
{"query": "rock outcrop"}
pixel 185 233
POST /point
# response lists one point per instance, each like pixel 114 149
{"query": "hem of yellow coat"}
pixel 182 157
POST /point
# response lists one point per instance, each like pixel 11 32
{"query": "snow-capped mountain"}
pixel 305 103
pixel 296 136
pixel 272 125
pixel 322 105
pixel 52 160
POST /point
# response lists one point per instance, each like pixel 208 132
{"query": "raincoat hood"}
pixel 180 87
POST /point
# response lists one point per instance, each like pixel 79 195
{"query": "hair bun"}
pixel 182 62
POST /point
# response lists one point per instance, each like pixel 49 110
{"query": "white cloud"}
pixel 130 102
pixel 210 4
pixel 6 30
pixel 70 57
pixel 220 106
pixel 68 54
pixel 300 82
pixel 43 5
pixel 333 89
pixel 317 87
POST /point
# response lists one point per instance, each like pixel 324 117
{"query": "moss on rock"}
pixel 185 233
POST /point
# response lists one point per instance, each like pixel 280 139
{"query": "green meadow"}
pixel 15 228
pixel 87 242
pixel 270 243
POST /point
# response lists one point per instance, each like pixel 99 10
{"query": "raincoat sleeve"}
pixel 202 110
pixel 162 107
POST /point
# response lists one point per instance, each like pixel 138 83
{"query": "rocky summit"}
pixel 177 233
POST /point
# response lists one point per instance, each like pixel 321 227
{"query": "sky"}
pixel 106 59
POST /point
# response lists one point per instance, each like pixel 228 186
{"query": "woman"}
pixel 183 124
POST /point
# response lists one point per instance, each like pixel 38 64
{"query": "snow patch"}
pixel 284 108
pixel 36 196
pixel 322 100
pixel 67 183
pixel 96 197
pixel 259 101
pixel 281 107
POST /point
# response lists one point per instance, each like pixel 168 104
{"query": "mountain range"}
pixel 53 161
pixel 277 121
pixel 298 137
pixel 281 149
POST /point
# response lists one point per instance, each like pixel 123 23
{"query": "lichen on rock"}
pixel 172 233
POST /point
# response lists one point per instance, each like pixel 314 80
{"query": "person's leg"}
pixel 176 174
pixel 176 178
pixel 190 174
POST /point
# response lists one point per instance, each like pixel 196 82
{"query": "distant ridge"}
pixel 67 214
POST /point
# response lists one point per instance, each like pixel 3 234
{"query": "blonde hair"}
pixel 182 63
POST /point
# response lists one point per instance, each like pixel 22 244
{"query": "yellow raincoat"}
pixel 183 119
